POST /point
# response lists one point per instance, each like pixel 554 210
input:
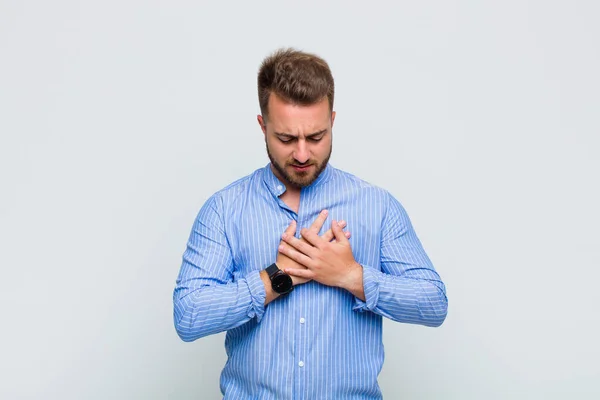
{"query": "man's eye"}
pixel 317 139
pixel 285 140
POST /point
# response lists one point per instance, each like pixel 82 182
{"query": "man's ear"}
pixel 262 123
pixel 332 118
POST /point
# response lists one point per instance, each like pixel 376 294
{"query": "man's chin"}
pixel 301 179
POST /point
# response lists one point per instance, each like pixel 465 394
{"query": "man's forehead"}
pixel 280 107
pixel 277 99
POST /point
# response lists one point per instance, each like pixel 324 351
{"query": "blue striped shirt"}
pixel 318 342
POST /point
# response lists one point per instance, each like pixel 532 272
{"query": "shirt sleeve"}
pixel 406 288
pixel 207 299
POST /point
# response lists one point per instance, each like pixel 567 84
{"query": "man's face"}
pixel 298 139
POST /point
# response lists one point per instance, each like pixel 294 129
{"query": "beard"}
pixel 296 179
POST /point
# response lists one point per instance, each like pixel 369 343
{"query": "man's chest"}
pixel 254 228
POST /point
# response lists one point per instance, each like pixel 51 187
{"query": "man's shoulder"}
pixel 239 186
pixel 355 187
pixel 354 182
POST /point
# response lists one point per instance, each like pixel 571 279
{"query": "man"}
pixel 303 312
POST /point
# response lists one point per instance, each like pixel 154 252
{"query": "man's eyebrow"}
pixel 310 135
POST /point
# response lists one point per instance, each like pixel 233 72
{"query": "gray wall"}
pixel 119 118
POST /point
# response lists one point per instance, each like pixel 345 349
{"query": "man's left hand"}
pixel 330 263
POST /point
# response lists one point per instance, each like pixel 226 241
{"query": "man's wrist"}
pixel 270 294
pixel 354 281
pixel 281 282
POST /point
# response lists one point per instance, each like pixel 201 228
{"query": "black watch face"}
pixel 281 283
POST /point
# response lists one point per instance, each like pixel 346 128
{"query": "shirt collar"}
pixel 277 188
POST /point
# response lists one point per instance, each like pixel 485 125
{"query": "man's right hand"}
pixel 284 261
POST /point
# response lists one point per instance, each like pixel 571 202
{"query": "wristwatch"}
pixel 280 281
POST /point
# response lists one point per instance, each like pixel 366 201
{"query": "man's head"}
pixel 295 92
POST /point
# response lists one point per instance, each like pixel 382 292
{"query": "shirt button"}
pixel 279 187
pixel 302 320
pixel 301 364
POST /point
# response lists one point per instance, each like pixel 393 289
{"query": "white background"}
pixel 118 119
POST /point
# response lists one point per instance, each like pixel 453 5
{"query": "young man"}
pixel 303 312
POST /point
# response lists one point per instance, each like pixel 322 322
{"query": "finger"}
pixel 299 245
pixel 300 258
pixel 318 223
pixel 291 229
pixel 300 273
pixel 337 231
pixel 328 236
pixel 347 234
pixel 312 238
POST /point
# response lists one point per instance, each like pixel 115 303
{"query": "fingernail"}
pixel 280 248
pixel 284 236
pixel 325 212
pixel 342 222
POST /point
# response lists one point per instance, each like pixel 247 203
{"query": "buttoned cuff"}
pixel 371 279
pixel 257 295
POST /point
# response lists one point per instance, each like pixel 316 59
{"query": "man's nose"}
pixel 301 154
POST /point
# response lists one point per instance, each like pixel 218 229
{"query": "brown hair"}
pixel 295 76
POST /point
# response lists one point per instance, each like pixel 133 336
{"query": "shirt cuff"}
pixel 371 289
pixel 257 295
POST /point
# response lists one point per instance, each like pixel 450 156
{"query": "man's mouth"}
pixel 301 168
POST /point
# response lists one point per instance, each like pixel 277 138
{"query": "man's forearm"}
pixel 211 309
pixel 404 299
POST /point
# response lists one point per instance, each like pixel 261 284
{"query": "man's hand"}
pixel 284 262
pixel 330 263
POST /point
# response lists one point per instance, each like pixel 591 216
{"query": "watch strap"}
pixel 272 270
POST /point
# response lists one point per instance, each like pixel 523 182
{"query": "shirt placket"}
pixel 300 318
